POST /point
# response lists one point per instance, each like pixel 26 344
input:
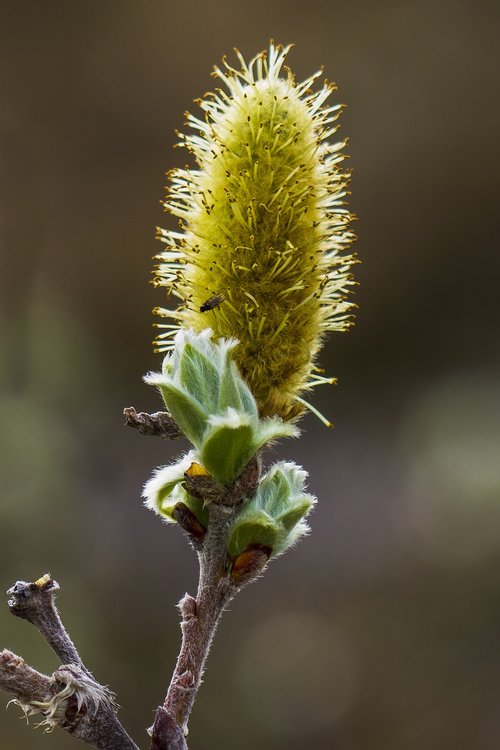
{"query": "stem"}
pixel 200 616
pixel 35 602
pixel 216 588
pixel 21 680
pixel 160 424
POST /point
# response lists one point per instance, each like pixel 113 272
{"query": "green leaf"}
pixel 228 446
pixel 229 394
pixel 246 396
pixel 272 429
pixel 285 541
pixel 168 502
pixel 300 508
pixel 197 507
pixel 275 491
pixel 250 528
pixel 199 377
pixel 161 491
pixel 186 411
pixel 296 476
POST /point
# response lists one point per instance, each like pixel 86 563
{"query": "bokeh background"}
pixel 381 630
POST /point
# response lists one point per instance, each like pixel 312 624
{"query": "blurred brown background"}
pixel 381 630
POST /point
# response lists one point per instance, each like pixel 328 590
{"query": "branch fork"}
pixel 71 698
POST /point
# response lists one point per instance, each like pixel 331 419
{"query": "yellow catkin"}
pixel 261 253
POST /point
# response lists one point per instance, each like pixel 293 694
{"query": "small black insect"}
pixel 212 303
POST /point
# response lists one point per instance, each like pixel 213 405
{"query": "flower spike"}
pixel 262 252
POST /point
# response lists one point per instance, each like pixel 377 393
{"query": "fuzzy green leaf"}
pixel 186 411
pixel 274 492
pixel 301 507
pixel 159 487
pixel 280 504
pixel 247 400
pixel 179 495
pixel 168 502
pixel 229 394
pixel 285 541
pixel 252 528
pixel 199 377
pixel 197 507
pixel 228 446
pixel 272 429
pixel 165 490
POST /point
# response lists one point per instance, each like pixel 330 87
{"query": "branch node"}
pixel 187 606
pixel 10 661
pixel 160 424
pixel 24 595
pixel 167 734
